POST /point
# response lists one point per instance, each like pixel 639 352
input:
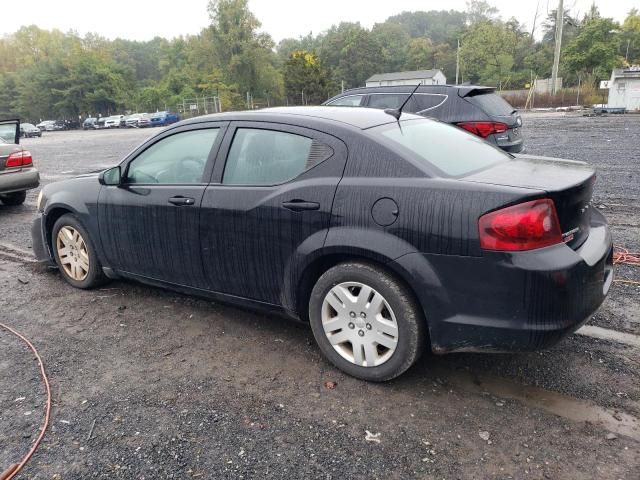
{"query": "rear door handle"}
pixel 297 205
pixel 182 201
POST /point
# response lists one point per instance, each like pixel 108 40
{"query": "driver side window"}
pixel 178 159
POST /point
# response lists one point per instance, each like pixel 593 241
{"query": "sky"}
pixel 144 19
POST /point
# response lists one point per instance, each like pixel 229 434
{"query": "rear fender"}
pixel 345 243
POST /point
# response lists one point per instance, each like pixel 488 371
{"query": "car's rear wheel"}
pixel 366 322
pixel 15 198
pixel 75 254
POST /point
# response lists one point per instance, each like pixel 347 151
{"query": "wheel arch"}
pixel 425 288
pixel 52 216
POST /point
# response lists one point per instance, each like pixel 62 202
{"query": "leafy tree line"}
pixel 51 74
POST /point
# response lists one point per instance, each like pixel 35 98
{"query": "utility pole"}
pixel 458 62
pixel 556 53
pixel 535 19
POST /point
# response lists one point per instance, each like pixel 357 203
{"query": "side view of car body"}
pixel 28 130
pixel 17 173
pixel 162 119
pixel 90 123
pixel 114 121
pixel 136 120
pixel 477 109
pixel 387 236
pixel 47 125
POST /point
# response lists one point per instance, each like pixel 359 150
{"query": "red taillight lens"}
pixel 484 129
pixel 19 159
pixel 525 226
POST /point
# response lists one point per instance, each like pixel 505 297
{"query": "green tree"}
pixel 630 37
pixel 594 49
pixel 420 55
pixel 479 11
pixel 393 40
pixel 304 72
pixel 487 53
pixel 240 49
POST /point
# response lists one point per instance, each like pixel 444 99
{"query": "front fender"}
pixel 78 196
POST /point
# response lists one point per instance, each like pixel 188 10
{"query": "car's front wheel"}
pixel 15 198
pixel 75 254
pixel 366 322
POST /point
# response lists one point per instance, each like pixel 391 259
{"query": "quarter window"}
pixel 178 159
pixel 270 157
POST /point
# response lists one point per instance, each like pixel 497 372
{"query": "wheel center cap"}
pixel 360 323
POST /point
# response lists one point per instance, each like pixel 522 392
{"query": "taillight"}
pixel 19 159
pixel 524 226
pixel 484 129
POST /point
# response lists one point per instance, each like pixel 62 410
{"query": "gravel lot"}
pixel 148 384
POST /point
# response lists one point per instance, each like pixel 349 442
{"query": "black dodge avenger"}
pixel 386 235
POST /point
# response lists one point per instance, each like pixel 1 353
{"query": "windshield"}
pixel 450 150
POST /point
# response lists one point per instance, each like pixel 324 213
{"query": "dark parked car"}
pixel 17 173
pixel 162 119
pixel 388 237
pixel 478 110
pixel 28 130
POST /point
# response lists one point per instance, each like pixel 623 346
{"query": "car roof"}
pixel 463 90
pixel 361 118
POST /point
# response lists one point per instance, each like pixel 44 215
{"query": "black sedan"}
pixel 386 236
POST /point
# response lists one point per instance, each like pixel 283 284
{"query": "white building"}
pixel 624 88
pixel 427 77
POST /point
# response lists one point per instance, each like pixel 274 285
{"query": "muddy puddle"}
pixel 564 406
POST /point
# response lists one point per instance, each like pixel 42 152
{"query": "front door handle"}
pixel 180 201
pixel 297 205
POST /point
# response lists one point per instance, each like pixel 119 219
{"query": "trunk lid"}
pixel 568 183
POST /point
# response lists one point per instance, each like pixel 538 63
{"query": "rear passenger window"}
pixel 270 157
pixel 383 101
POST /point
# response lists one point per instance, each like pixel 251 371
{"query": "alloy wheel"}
pixel 360 324
pixel 73 253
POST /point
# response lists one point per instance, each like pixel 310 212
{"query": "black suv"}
pixel 478 110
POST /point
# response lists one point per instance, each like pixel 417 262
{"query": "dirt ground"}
pixel 148 384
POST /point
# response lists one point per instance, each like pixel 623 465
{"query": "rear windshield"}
pixel 492 104
pixel 452 151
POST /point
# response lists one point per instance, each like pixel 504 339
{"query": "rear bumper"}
pixel 511 146
pixel 516 301
pixel 19 180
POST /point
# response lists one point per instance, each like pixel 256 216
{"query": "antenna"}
pixel 396 112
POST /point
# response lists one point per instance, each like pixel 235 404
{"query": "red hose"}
pixel 622 255
pixel 13 470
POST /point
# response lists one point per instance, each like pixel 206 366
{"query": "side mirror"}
pixel 10 131
pixel 112 176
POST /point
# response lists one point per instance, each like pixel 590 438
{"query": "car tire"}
pixel 14 199
pixel 75 253
pixel 394 318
